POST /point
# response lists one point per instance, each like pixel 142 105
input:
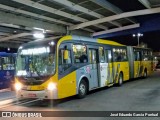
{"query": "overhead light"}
pixel 138 35
pixel 20 47
pixel 38 35
pixel 8 49
pixel 40 29
pixel 134 35
pixel 51 43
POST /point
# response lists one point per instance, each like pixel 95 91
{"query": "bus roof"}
pixel 72 37
pixel 88 39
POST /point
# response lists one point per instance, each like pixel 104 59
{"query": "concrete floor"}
pixel 135 95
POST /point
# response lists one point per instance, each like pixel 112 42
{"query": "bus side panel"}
pixel 67 85
pixel 82 72
pixel 103 74
pixel 110 74
pixel 121 66
pixel 150 68
pixel 140 67
pixel 147 65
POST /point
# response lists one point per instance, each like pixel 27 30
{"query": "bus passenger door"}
pixel 110 66
pixel 93 59
pixel 102 68
pixel 137 64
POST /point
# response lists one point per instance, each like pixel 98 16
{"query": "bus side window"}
pixel 137 55
pixel 101 53
pixel 117 55
pixel 80 53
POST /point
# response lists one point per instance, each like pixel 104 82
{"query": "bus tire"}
pixel 145 73
pixel 120 79
pixel 82 90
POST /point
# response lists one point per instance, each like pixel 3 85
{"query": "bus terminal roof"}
pixel 93 18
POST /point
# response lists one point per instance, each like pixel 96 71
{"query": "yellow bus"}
pixel 74 65
pixel 141 62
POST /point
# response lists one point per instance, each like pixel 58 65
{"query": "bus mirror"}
pixel 66 56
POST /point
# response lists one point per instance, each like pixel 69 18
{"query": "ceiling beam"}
pixel 35 16
pixel 4 34
pixel 9 25
pixel 83 9
pixel 146 3
pixel 30 22
pixel 78 8
pixel 115 17
pixel 15 36
pixel 52 10
pixel 10 45
pixel 16 41
pixel 107 5
pixel 116 29
pixel 149 25
pixel 49 9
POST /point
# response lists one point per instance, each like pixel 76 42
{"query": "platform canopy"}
pixel 20 19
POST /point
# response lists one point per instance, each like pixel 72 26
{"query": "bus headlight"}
pixel 18 86
pixel 51 86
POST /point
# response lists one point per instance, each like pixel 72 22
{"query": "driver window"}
pixel 50 64
pixel 51 59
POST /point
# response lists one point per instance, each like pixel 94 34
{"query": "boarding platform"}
pixel 7 96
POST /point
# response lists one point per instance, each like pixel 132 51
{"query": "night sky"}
pixel 151 38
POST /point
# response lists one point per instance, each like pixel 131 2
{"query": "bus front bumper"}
pixel 43 94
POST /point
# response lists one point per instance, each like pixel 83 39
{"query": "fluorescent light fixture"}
pixel 20 47
pixel 40 29
pixel 38 35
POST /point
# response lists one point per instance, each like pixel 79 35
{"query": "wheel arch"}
pixel 86 80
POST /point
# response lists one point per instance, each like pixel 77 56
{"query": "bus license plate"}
pixel 32 95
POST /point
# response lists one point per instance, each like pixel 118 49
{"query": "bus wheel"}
pixel 145 74
pixel 120 79
pixel 82 90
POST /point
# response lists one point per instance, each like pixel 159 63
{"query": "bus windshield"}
pixel 35 62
